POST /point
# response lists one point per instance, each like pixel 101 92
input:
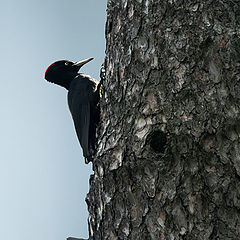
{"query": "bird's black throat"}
pixel 63 79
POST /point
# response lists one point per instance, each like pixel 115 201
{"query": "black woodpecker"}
pixel 83 100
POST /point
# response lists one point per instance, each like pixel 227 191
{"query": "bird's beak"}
pixel 81 63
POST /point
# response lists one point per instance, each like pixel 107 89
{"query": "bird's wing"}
pixel 81 98
pixel 81 119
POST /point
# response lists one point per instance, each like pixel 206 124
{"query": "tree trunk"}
pixel 168 160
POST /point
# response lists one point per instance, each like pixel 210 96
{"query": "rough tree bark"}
pixel 168 161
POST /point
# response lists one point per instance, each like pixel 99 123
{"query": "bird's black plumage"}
pixel 83 100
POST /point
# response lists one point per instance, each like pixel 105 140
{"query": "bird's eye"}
pixel 66 63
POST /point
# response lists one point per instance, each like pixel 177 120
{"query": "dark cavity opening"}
pixel 158 141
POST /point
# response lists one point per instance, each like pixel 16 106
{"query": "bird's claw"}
pixel 102 73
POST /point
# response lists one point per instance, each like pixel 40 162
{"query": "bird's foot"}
pixel 102 74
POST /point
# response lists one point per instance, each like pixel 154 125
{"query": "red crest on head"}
pixel 48 68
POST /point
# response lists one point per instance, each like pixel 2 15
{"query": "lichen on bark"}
pixel 168 160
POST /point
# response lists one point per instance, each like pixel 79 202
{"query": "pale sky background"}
pixel 43 178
